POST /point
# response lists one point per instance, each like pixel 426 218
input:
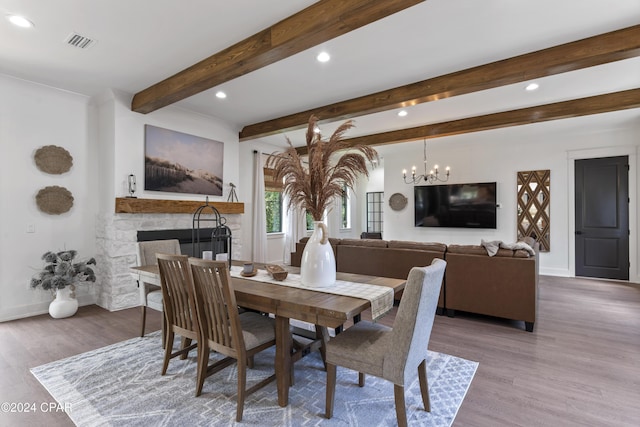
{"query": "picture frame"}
pixel 178 162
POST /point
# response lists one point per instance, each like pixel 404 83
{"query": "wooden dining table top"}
pixel 313 306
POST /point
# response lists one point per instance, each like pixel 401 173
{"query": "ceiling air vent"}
pixel 82 42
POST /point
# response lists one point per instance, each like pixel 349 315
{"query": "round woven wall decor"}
pixel 54 200
pixel 397 201
pixel 53 159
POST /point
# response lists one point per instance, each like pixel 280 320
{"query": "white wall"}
pixel 497 156
pixel 32 116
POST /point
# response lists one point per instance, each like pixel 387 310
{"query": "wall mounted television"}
pixel 456 205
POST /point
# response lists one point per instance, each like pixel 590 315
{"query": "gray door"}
pixel 602 218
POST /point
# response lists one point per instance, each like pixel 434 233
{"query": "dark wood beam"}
pixel 318 23
pixel 623 100
pixel 600 49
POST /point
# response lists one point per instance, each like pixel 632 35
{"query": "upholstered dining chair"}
pixel 179 306
pixel 225 330
pixel 394 354
pixel 151 295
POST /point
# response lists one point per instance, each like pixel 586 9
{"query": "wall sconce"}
pixel 132 185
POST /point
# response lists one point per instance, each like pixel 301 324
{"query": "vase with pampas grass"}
pixel 313 184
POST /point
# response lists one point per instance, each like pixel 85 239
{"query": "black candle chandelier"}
pixel 431 177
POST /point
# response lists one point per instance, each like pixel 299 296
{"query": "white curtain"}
pixel 296 230
pixel 259 238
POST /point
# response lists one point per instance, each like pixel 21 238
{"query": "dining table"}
pixel 315 306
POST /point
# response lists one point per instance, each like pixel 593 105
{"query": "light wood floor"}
pixel 580 366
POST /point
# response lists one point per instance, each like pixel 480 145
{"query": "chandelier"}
pixel 430 178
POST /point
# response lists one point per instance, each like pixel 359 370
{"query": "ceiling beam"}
pixel 559 110
pixel 596 50
pixel 318 23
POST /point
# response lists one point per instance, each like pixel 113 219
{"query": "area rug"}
pixel 121 385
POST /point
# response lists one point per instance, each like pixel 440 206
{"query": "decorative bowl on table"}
pixel 276 271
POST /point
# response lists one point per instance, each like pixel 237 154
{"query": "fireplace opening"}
pixel 193 241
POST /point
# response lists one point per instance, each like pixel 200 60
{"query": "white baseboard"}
pixel 29 310
pixel 560 272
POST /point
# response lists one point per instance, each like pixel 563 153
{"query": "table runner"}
pixel 381 297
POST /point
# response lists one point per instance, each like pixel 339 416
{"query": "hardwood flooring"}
pixel 580 366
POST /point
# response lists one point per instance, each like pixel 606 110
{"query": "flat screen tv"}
pixel 456 205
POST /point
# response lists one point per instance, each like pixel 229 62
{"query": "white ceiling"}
pixel 142 42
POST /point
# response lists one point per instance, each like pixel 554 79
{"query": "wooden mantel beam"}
pixel 318 23
pixel 559 110
pixel 596 50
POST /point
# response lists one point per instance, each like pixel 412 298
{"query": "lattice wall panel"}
pixel 534 197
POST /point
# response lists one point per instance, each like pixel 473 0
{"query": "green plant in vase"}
pixel 60 275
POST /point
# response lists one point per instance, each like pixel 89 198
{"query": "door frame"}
pixel 572 155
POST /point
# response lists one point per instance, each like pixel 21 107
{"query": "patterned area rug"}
pixel 121 385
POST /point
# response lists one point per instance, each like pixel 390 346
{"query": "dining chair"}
pixel 236 335
pixel 179 306
pixel 393 354
pixel 151 295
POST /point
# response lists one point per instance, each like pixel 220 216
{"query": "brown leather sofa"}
pixel 381 258
pixel 505 285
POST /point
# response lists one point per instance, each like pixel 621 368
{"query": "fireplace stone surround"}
pixel 116 237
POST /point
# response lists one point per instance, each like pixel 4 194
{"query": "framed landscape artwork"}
pixel 177 162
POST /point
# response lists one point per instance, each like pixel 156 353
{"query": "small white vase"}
pixel 318 265
pixel 65 304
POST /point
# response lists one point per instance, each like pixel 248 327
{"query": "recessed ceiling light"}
pixel 220 94
pixel 402 113
pixel 20 21
pixel 323 57
pixel 532 86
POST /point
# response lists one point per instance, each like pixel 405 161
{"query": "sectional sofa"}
pixel 504 285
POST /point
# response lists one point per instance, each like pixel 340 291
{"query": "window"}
pixel 273 202
pixel 309 222
pixel 374 212
pixel 345 209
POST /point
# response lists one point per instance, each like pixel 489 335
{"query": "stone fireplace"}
pixel 117 234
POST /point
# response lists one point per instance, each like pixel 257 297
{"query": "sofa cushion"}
pixel 370 243
pixel 478 250
pixel 420 246
pixel 467 249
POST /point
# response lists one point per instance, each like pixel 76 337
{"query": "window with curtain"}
pixel 273 202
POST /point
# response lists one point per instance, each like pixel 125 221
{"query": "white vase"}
pixel 318 265
pixel 65 304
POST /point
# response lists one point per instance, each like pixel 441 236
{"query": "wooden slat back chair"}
pixel 393 354
pixel 179 305
pixel 151 295
pixel 224 329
